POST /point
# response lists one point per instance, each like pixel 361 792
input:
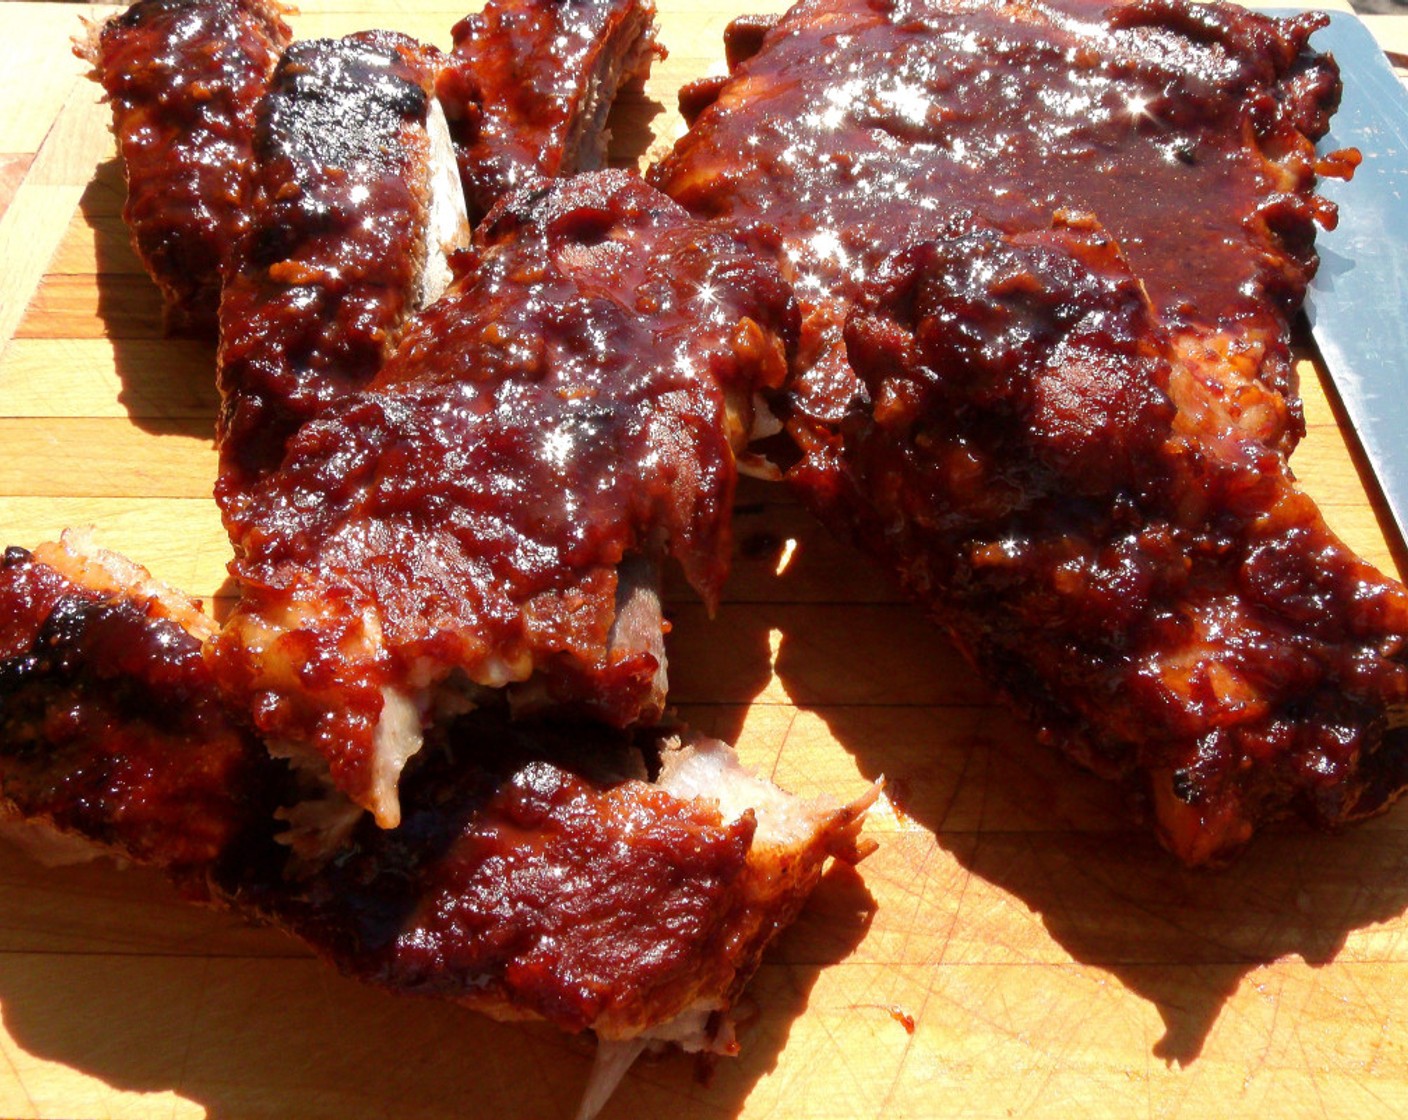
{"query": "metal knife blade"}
pixel 1358 302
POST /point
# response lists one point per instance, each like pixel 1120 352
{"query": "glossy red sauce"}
pixel 858 128
pixel 327 274
pixel 520 881
pixel 185 78
pixel 528 877
pixel 563 407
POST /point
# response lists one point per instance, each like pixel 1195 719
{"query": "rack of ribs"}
pixel 530 83
pixel 539 872
pixel 1048 257
pixel 185 78
pixel 1155 593
pixel 491 511
pixel 577 400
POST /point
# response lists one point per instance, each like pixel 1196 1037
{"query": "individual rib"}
pixel 530 84
pixel 355 210
pixel 185 78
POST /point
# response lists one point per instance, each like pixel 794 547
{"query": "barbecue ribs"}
pixel 424 512
pixel 1154 592
pixel 530 83
pixel 185 78
pixel 1077 234
pixel 538 872
pixel 491 510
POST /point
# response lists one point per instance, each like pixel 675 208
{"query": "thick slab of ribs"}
pixel 1060 413
pixel 1154 591
pixel 539 872
pixel 859 128
pixel 489 511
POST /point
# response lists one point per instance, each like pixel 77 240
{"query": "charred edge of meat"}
pixel 534 876
pixel 697 95
pixel 111 728
pixel 743 38
pixel 184 78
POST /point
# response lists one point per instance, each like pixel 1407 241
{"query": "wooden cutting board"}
pixel 1016 947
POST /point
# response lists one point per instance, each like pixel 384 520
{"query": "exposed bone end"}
pixel 640 625
pixel 396 739
pixel 447 222
pixel 614 1059
pixel 264 648
pixel 708 769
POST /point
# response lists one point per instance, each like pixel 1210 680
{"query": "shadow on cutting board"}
pixel 167 385
pixel 1066 845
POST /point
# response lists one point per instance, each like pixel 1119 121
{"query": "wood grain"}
pixel 1053 961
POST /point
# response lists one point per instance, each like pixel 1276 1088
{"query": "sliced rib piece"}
pixel 1152 590
pixel 184 78
pixel 355 209
pixel 572 402
pixel 531 880
pixel 111 727
pixel 530 84
pixel 538 873
pixel 859 127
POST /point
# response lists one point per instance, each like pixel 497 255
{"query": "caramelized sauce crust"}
pixel 514 878
pixel 530 876
pixel 1152 590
